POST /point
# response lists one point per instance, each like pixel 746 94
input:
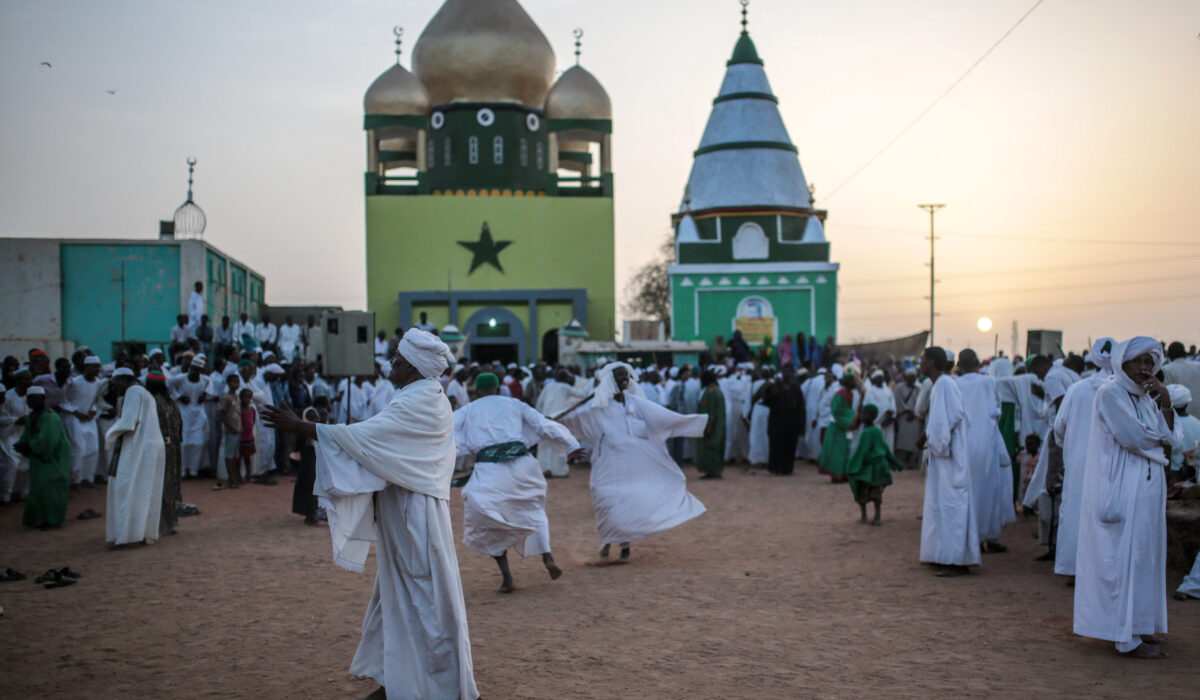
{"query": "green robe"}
pixel 49 471
pixel 835 448
pixel 1008 431
pixel 710 449
pixel 872 462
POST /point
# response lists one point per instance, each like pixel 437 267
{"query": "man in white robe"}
pixel 880 394
pixel 190 391
pixel 1055 380
pixel 1072 430
pixel 504 502
pixel 79 412
pixel 691 403
pixel 291 337
pixel 736 389
pixel 1188 427
pixel 813 389
pixel 387 479
pixel 14 470
pixel 135 491
pixel 1120 566
pixel 758 415
pixel 637 489
pixel 949 535
pixel 243 331
pixel 265 332
pixel 991 482
pixel 195 309
pixel 560 394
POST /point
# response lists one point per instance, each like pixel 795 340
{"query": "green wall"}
pixel 556 242
pixel 92 300
pixel 792 303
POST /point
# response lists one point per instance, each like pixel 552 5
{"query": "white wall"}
pixel 31 294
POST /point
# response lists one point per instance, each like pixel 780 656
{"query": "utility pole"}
pixel 932 209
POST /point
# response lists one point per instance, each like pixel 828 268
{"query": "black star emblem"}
pixel 485 250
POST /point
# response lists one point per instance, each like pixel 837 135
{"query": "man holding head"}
pixel 387 479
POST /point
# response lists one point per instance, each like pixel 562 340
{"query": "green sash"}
pixel 504 452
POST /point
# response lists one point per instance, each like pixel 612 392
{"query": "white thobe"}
pixel 195 419
pixel 1120 565
pixel 991 470
pixel 455 390
pixel 387 479
pixel 883 399
pixel 195 311
pixel 242 329
pixel 504 503
pixel 812 390
pixel 1186 371
pixel 265 333
pixel 637 489
pixel 380 396
pixel 135 494
pixel 290 336
pixel 1190 585
pixel 14 466
pixel 691 403
pixel 1072 431
pixel 81 397
pixel 355 403
pixel 653 392
pixel 758 415
pixel 737 434
pixel 948 530
pixel 1188 427
pixel 554 399
pixel 1055 383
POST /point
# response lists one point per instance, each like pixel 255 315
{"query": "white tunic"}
pixel 387 479
pixel 504 503
pixel 193 413
pixel 1120 565
pixel 949 534
pixel 1072 430
pixel 637 489
pixel 81 397
pixel 991 470
pixel 883 399
pixel 135 494
pixel 812 390
pixel 289 340
pixel 555 398
pixel 737 435
pixel 758 415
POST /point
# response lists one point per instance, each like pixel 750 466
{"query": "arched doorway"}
pixel 550 347
pixel 495 335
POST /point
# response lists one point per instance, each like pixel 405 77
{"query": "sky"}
pixel 1069 159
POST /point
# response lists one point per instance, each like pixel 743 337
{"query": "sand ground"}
pixel 775 592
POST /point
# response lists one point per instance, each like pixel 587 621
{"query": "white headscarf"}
pixel 1101 354
pixel 1130 349
pixel 426 352
pixel 606 384
pixel 1000 367
pixel 1180 395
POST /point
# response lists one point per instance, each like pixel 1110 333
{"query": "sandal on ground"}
pixel 67 572
pixel 88 514
pixel 12 575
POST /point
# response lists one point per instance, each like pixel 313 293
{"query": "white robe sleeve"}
pixel 665 423
pixel 945 412
pixel 1121 418
pixel 545 430
pixel 127 422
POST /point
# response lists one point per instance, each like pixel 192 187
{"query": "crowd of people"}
pixel 1091 443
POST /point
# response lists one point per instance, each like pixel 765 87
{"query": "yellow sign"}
pixel 755 329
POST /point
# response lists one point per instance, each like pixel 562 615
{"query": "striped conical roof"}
pixel 746 158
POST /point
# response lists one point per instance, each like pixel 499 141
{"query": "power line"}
pixel 1026 270
pixel 1025 290
pixel 1007 238
pixel 933 104
pixel 1123 302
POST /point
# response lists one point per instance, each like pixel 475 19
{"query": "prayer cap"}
pixel 245 362
pixel 512 365
pixel 21 370
pixel 273 368
pixel 876 373
pixel 910 372
pixel 838 371
pixel 122 372
pixel 426 352
pixel 35 391
pixel 486 380
pixel 155 351
pixel 268 354
pixel 1180 395
pixel 157 377
pixel 871 408
pixel 91 360
pixel 821 371
pixel 199 363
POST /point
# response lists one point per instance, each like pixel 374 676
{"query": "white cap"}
pixel 91 360
pixel 273 368
pixel 1180 395
pixel 155 351
pixel 35 391
pixel 268 354
pixel 122 372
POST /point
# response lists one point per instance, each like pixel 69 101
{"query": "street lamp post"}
pixel 932 209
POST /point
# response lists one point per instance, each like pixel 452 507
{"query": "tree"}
pixel 649 292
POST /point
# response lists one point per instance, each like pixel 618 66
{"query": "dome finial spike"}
pixel 578 35
pixel 398 31
pixel 191 166
pixel 744 20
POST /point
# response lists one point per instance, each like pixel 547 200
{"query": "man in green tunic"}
pixel 710 449
pixel 835 449
pixel 46 445
pixel 870 468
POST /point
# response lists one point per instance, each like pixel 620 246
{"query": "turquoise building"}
pixel 750 248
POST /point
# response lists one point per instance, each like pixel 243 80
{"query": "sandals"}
pixel 57 578
pixel 12 575
pixel 88 514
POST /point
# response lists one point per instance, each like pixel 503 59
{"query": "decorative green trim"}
pixel 738 145
pixel 603 126
pixel 575 156
pixel 412 121
pixel 744 52
pixel 393 156
pixel 746 96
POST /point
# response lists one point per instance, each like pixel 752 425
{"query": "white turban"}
pixel 155 351
pixel 606 384
pixel 876 373
pixel 273 368
pixel 1180 395
pixel 426 352
pixel 122 372
pixel 1102 353
pixel 1135 347
pixel 837 371
pixel 35 391
pixel 674 372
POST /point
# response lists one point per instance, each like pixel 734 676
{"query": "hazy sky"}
pixel 1081 126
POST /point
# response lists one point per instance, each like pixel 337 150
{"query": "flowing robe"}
pixel 691 403
pixel 195 419
pixel 710 450
pixel 835 448
pixel 290 337
pixel 13 466
pixel 785 424
pixel 170 423
pixel 555 398
pixel 1120 565
pixel 871 464
pixel 813 389
pixel 195 311
pixel 504 503
pixel 81 397
pixel 759 415
pixel 1056 382
pixel 737 434
pixel 387 480
pixel 949 534
pixel 908 425
pixel 885 400
pixel 1072 430
pixel 991 485
pixel 637 489
pixel 49 471
pixel 135 494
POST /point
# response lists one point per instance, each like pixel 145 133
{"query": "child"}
pixel 231 431
pixel 1028 459
pixel 247 449
pixel 870 468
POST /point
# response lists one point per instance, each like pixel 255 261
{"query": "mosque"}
pixel 489 187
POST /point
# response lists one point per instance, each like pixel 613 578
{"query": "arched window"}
pixel 430 151
pixel 446 151
pixel 750 243
pixel 498 150
pixel 473 150
pixel 541 157
pixel 524 154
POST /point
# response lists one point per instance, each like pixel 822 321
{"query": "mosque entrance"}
pixel 496 335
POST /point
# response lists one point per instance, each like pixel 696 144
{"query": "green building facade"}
pixel 750 248
pixel 489 190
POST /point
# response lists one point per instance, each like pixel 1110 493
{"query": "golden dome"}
pixel 578 95
pixel 396 92
pixel 484 51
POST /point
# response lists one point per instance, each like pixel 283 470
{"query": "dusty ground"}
pixel 775 592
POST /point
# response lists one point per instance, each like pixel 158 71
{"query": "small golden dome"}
pixel 484 51
pixel 396 92
pixel 578 95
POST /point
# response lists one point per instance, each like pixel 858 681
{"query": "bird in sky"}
pixel 113 91
pixel 47 64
